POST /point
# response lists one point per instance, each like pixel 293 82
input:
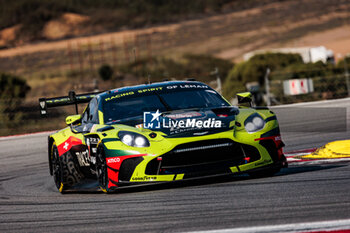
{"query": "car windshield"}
pixel 193 99
pixel 134 106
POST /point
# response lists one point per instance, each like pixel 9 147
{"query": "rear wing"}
pixel 71 99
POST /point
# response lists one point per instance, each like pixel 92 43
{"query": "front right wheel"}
pixel 101 169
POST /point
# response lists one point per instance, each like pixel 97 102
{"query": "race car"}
pixel 161 132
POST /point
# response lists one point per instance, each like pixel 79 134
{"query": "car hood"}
pixel 184 123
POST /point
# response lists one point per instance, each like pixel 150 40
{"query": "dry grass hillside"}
pixel 229 35
pixel 67 49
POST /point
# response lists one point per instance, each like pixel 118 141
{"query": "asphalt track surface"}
pixel 29 202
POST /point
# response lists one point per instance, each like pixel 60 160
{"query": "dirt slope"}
pixel 289 23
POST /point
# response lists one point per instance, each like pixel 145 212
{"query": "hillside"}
pixel 57 49
pixel 228 30
pixel 222 28
pixel 25 21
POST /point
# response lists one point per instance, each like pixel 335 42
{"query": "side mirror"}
pixel 244 97
pixel 73 119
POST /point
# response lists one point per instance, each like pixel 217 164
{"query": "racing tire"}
pixel 66 172
pixel 101 169
pixel 56 167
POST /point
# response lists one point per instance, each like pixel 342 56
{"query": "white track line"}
pixel 26 135
pixel 297 227
pixel 319 161
pixel 312 103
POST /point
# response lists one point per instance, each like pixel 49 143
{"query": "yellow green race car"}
pixel 161 132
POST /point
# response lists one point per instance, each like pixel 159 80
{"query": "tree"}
pixel 255 68
pixel 13 90
pixel 105 72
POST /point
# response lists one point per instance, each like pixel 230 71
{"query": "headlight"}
pixel 254 123
pixel 133 139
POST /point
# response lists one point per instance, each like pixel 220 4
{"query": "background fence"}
pixel 26 118
pixel 81 57
pixel 324 87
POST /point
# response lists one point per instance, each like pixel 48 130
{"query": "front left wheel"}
pixel 56 168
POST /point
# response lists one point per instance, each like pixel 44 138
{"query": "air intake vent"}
pixel 203 157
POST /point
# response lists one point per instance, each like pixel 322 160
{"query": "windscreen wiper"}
pixel 168 108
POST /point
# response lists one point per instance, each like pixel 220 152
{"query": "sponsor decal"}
pixel 152 120
pixel 113 160
pixel 193 123
pixel 68 144
pixel 93 160
pixel 43 107
pixel 114 164
pixel 149 90
pixel 93 140
pixel 120 95
pixel 184 115
pixel 58 100
pixel 83 158
pixel 42 104
pixel 139 126
pixel 145 178
pixel 200 133
pixel 186 86
pixel 146 90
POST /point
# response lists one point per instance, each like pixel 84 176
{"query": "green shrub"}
pixel 255 69
pixel 341 64
pixel 105 72
pixel 203 66
pixel 305 70
pixel 12 92
pixel 200 67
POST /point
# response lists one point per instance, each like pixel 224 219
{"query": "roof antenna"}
pixel 149 79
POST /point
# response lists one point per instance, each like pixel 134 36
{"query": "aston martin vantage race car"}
pixel 160 132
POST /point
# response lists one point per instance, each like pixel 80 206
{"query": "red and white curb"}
pixel 293 157
pixel 336 226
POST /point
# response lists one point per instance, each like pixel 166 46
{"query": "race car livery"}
pixel 161 132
